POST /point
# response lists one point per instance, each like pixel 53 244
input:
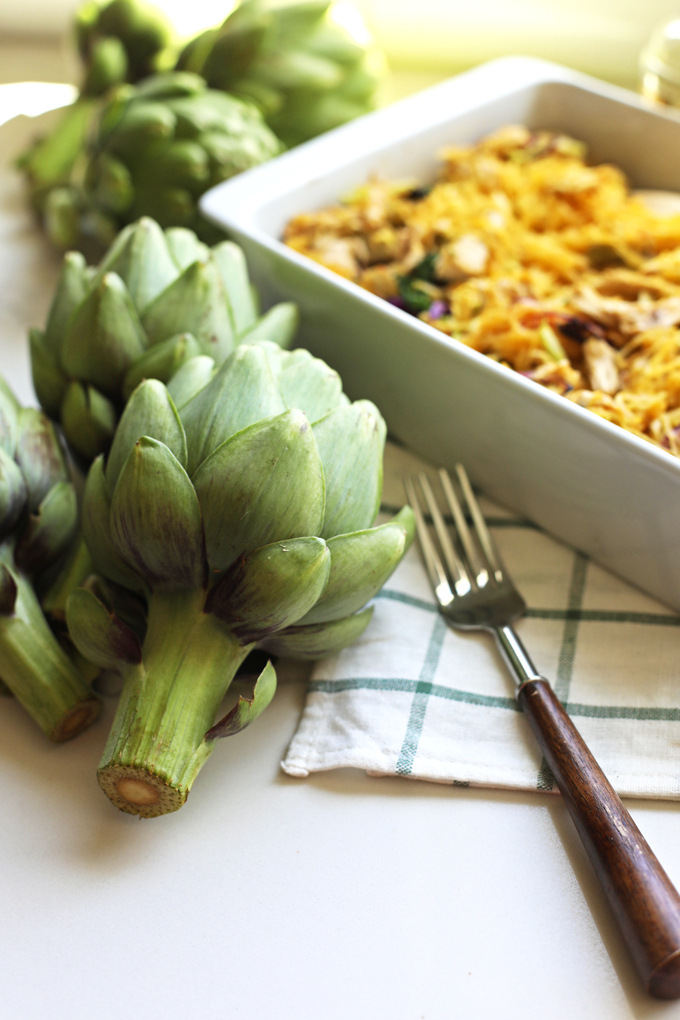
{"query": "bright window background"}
pixel 602 37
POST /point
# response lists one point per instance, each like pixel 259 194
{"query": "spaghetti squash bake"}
pixel 524 252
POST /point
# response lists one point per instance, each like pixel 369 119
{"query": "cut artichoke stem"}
pixel 157 744
pixel 39 673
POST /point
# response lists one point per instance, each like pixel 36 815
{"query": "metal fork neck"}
pixel 515 655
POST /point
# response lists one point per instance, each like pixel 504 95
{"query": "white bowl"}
pixel 588 482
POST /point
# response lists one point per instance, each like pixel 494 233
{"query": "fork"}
pixel 474 592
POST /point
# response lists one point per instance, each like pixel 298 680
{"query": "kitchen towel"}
pixel 415 698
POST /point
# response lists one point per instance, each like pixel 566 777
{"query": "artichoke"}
pixel 242 516
pixel 150 149
pixel 38 521
pixel 157 300
pixel 124 40
pixel 307 70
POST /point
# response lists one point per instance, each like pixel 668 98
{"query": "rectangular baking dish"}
pixel 588 482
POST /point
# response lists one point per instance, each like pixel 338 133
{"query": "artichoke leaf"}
pixel 317 640
pixel 360 565
pixel 247 710
pixel 150 411
pixel 162 361
pixel 278 325
pixel 39 455
pixel 263 485
pixel 195 302
pixel 141 258
pixel 242 392
pixel 308 383
pixel 272 588
pixel 98 634
pixel 72 288
pixel 104 336
pixel 48 531
pixel 351 442
pixel 190 379
pixel 9 419
pixel 8 591
pixel 156 518
pixel 185 247
pixel 96 526
pixel 231 263
pixel 13 493
pixel 49 381
pixel 88 419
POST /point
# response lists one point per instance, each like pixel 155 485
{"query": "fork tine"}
pixel 481 529
pixel 479 568
pixel 434 565
pixel 461 579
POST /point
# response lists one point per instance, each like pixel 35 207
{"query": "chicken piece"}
pixel 468 256
pixel 601 367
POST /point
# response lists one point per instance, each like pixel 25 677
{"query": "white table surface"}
pixel 338 897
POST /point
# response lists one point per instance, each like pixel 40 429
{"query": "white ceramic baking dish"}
pixel 602 490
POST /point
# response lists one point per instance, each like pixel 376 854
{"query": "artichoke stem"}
pixel 157 744
pixel 39 673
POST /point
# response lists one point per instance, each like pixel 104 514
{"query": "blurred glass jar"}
pixel 660 64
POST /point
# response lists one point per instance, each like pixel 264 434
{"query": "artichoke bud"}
pixel 230 56
pixel 308 383
pixel 278 326
pixel 182 163
pixel 318 640
pixel 128 127
pixel 108 66
pixel 49 381
pixel 351 444
pixel 297 70
pixel 190 379
pixel 185 247
pixel 98 634
pixel 8 592
pixel 162 361
pixel 271 589
pixel 168 205
pixel 39 455
pixel 247 710
pixel 231 263
pixel 72 287
pixel 61 217
pixel 331 42
pixel 298 19
pixel 242 392
pixel 109 184
pixel 9 419
pixel 149 412
pixel 96 527
pixel 141 257
pixel 263 485
pixel 156 518
pixel 171 85
pixel 88 419
pixel 360 565
pixel 48 531
pixel 196 299
pixel 104 336
pixel 13 493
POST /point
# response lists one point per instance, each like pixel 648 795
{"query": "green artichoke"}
pixel 157 300
pixel 242 515
pixel 148 150
pixel 124 40
pixel 38 521
pixel 307 70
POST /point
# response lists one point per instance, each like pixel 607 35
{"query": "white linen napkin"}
pixel 414 698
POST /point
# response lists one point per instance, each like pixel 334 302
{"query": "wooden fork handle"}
pixel 645 903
